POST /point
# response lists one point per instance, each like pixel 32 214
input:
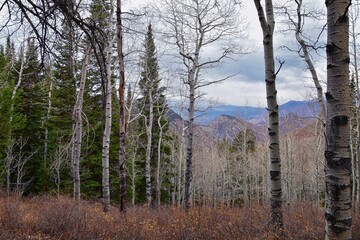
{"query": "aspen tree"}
pixel 267 22
pixel 337 151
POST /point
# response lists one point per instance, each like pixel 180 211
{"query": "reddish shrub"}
pixel 52 218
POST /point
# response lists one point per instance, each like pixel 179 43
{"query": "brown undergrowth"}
pixel 62 218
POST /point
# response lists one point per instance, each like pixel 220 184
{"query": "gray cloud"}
pixel 248 87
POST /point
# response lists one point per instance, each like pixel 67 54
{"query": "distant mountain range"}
pixel 255 115
pixel 225 121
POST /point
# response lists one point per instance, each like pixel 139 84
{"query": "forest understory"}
pixel 44 217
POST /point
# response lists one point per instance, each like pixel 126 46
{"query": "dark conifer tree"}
pixel 63 98
pixel 33 107
pixel 150 84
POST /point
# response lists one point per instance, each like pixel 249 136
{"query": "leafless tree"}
pixel 194 26
pixel 15 162
pixel 296 14
pixel 354 18
pixel 122 128
pixel 108 110
pixel 267 22
pixel 78 125
pixel 60 161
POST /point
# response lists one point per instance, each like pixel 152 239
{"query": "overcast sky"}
pixel 248 87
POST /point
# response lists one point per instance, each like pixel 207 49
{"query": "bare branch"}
pixel 281 64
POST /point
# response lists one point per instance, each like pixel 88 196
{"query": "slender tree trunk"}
pixel 133 179
pixel 287 154
pixel 174 169
pixel 267 24
pixel 10 147
pixel 9 164
pixel 158 164
pixel 180 171
pixel 337 153
pixel 358 150
pixel 47 118
pixel 16 88
pixel 307 58
pixel 58 179
pixel 317 165
pixel 357 160
pixel 122 128
pixel 149 129
pixel 107 131
pixel 189 145
pixel 352 158
pixel 77 135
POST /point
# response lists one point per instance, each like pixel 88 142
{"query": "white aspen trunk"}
pixel 174 181
pixel 245 170
pixel 267 23
pixel 356 174
pixel 108 117
pixel 133 185
pixel 317 167
pixel 180 171
pixel 18 83
pixel 189 142
pixel 307 58
pixel 133 174
pixel 158 164
pixel 47 118
pixel 9 158
pixel 266 191
pixel 303 189
pixel 77 135
pixel 122 127
pixel 358 150
pixel 107 131
pixel 179 177
pixel 287 155
pixel 149 129
pixel 337 153
pixel 353 162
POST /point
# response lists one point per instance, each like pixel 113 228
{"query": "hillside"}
pixel 225 121
pixel 307 109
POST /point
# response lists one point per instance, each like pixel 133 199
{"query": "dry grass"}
pixel 51 218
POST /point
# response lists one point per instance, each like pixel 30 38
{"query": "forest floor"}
pixel 44 217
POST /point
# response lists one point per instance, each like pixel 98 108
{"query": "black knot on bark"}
pixel 330 48
pixel 340 120
pixel 329 154
pixel 346 60
pixel 329 97
pixel 342 163
pixel 343 19
pixel 274 175
pixel 330 217
pixel 273 114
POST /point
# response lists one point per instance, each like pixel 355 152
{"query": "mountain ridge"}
pixel 225 121
pixel 257 115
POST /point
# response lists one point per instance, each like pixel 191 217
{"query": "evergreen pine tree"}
pixel 12 120
pixel 63 98
pixel 30 112
pixel 94 107
pixel 154 104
